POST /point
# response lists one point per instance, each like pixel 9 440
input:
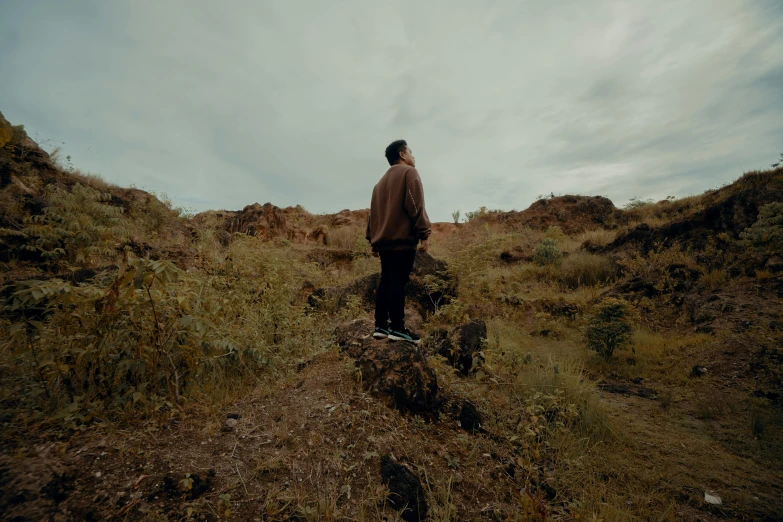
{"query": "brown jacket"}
pixel 398 219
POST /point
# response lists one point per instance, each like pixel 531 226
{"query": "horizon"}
pixel 296 105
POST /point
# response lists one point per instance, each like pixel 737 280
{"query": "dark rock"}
pixel 420 295
pixel 59 487
pixel 517 255
pixel 637 285
pixel 354 337
pixel 202 484
pixel 705 329
pixel 469 417
pixel 399 373
pixel 468 337
pixel 405 491
pixel 742 326
pixel 83 275
pixel 698 371
pixel 236 416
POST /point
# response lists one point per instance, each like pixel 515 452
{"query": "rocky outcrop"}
pixel 728 210
pixel 396 372
pixel 399 373
pixel 350 217
pixel 573 214
pixel 430 286
pixel 461 345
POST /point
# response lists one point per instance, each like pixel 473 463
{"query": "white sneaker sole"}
pixel 378 335
pixel 393 337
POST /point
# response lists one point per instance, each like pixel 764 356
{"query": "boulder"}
pixel 395 371
pixel 399 373
pixel 406 493
pixel 469 417
pixel 468 344
pixel 354 337
pixel 265 221
pixel 421 296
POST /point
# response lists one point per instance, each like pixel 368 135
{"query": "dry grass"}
pixel 604 456
pixel 585 269
pixel 713 279
pixel 95 181
pixel 598 236
pixel 349 237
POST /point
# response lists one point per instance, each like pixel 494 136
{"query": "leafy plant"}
pixel 610 327
pixel 470 216
pixel 767 232
pixel 546 253
pixel 75 227
pixel 455 216
pixel 146 340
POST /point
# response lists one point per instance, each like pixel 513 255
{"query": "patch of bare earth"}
pixel 310 449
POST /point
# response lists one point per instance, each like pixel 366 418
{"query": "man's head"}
pixel 399 152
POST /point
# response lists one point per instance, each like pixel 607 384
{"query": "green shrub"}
pixel 547 253
pixel 767 232
pixel 470 216
pixel 610 327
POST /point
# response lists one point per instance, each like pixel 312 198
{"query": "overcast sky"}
pixel 222 104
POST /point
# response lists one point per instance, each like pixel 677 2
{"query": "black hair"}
pixel 394 150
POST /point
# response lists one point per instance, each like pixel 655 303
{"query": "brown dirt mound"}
pixel 573 214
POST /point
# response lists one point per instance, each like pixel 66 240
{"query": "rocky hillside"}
pixel 579 361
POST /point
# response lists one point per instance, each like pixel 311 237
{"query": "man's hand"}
pixel 424 245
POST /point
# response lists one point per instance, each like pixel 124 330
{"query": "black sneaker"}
pixel 380 333
pixel 404 335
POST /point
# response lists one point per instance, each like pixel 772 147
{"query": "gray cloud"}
pixel 221 105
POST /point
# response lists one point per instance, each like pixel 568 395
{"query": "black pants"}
pixel 396 266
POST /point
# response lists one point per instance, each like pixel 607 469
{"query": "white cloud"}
pixel 221 105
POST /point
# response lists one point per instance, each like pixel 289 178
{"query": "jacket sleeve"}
pixel 414 205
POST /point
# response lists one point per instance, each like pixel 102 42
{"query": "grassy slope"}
pixel 564 443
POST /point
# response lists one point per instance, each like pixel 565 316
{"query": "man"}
pixel 397 222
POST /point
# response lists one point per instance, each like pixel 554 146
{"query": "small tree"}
pixel 610 327
pixel 547 253
pixel 767 232
pixel 455 216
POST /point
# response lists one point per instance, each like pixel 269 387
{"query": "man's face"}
pixel 407 157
